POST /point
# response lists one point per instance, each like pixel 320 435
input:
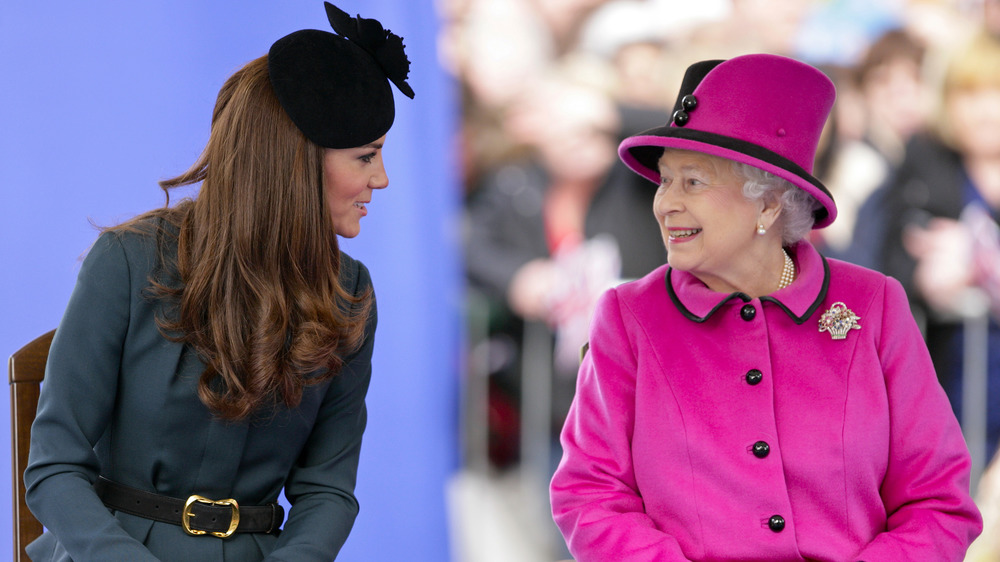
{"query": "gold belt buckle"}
pixel 186 515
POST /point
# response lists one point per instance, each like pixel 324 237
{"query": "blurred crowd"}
pixel 552 218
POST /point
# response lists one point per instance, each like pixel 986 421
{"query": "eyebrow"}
pixel 693 168
pixel 696 168
pixel 375 145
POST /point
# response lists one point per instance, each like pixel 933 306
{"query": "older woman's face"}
pixel 708 226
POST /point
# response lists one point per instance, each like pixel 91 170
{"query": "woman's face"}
pixel 708 226
pixel 897 96
pixel 350 175
pixel 975 120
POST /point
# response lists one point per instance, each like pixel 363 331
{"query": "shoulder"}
pixel 646 296
pixel 650 285
pixel 140 236
pixel 134 257
pixel 354 275
pixel 930 177
pixel 852 274
pixel 134 245
pixel 855 281
pixel 875 293
pixel 924 150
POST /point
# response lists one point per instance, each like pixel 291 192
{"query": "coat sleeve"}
pixel 75 408
pixel 320 487
pixel 595 498
pixel 926 486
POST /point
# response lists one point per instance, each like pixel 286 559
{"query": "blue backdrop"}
pixel 100 100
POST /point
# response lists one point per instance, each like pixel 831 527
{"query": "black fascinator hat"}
pixel 335 88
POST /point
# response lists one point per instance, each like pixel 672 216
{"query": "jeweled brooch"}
pixel 838 321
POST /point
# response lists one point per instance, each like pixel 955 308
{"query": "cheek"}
pixel 731 203
pixel 337 187
pixel 329 183
pixel 330 194
pixel 961 115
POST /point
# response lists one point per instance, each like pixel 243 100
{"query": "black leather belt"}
pixel 197 515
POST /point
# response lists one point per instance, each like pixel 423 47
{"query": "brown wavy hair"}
pixel 258 296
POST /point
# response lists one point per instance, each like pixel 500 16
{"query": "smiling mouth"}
pixel 360 205
pixel 683 234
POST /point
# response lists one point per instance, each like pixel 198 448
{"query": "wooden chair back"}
pixel 26 369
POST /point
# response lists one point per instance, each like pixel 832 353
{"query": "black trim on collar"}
pixel 746 298
pixel 692 316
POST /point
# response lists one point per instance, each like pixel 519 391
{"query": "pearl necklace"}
pixel 787 272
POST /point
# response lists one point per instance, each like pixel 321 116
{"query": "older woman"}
pixel 752 399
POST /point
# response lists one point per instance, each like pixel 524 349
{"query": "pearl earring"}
pixel 761 230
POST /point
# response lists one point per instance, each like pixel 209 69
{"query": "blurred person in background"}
pixel 770 26
pixel 991 17
pixel 987 547
pixel 643 42
pixel 493 49
pixel 942 24
pixel 752 399
pixel 893 100
pixel 565 20
pixel 547 232
pixel 942 207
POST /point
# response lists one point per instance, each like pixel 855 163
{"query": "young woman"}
pixel 217 352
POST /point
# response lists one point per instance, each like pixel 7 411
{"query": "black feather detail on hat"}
pixel 384 45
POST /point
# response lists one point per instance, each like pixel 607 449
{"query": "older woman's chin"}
pixel 680 263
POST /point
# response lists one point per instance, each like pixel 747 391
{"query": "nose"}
pixel 666 202
pixel 379 180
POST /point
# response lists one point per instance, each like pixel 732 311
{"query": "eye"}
pixel 367 158
pixel 664 180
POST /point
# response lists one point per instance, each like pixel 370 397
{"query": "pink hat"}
pixel 763 110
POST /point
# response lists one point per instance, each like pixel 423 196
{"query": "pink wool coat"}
pixel 710 427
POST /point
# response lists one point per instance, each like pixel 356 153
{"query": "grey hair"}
pixel 797 206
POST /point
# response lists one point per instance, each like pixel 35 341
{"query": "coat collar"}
pixel 799 300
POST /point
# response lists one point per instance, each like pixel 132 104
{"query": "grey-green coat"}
pixel 120 400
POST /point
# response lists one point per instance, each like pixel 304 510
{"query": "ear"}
pixel 770 211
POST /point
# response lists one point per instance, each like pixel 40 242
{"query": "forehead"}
pixel 677 161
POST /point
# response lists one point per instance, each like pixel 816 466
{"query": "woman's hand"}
pixel 530 289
